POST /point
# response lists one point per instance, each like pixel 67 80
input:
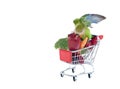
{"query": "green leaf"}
pixel 62 43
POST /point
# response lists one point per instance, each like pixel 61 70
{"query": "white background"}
pixel 28 31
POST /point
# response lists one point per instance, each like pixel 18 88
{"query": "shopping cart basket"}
pixel 79 57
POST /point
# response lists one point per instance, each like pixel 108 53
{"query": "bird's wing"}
pixel 88 19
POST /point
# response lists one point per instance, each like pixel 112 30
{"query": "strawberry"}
pixel 94 40
pixel 88 44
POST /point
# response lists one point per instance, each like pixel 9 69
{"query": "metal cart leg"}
pixel 74 78
pixel 89 75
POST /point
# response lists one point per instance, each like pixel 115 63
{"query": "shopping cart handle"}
pixel 100 37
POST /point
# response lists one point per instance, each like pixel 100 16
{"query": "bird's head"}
pixel 79 26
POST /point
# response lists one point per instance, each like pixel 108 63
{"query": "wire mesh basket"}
pixel 79 57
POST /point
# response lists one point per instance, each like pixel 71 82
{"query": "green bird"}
pixel 83 23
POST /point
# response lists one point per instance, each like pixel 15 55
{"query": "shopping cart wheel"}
pixel 73 70
pixel 74 78
pixel 89 75
pixel 61 74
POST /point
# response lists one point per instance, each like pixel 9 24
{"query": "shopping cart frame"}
pixel 89 58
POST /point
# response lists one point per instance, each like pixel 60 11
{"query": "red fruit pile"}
pixel 93 41
pixel 74 40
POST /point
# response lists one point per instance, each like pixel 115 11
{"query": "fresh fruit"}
pixel 94 37
pixel 73 42
pixel 94 40
pixel 88 44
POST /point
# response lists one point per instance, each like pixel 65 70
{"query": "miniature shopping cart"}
pixel 79 57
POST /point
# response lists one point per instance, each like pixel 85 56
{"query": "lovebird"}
pixel 83 23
